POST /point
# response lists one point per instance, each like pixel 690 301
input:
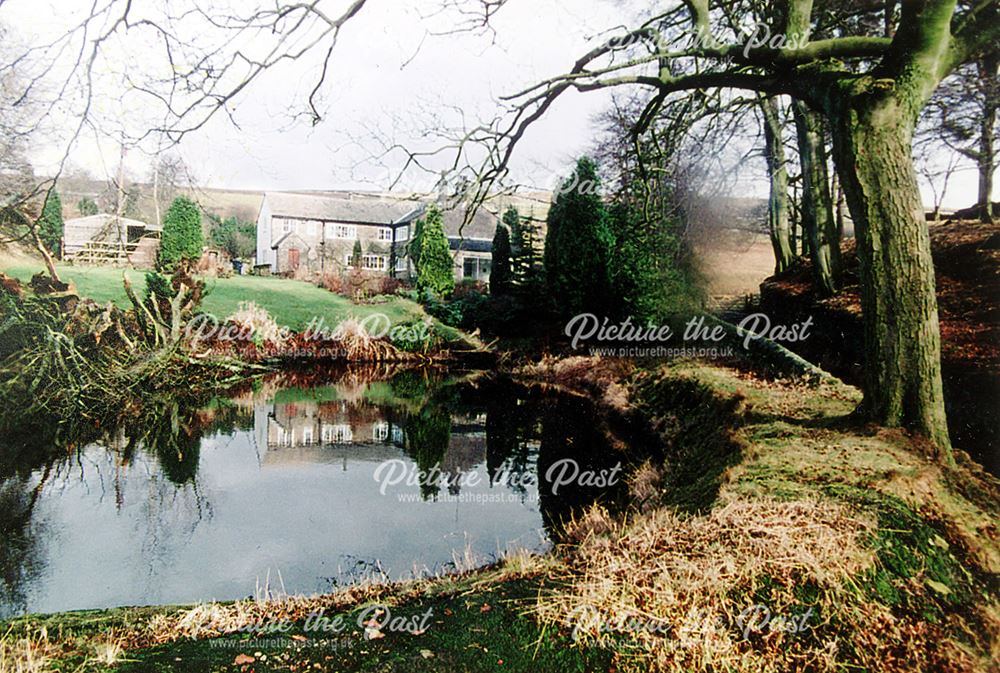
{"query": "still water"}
pixel 285 487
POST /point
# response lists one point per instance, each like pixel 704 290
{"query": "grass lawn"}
pixel 291 303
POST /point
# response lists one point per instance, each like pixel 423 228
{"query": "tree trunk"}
pixel 777 206
pixel 987 153
pixel 872 140
pixel 818 222
pixel 156 190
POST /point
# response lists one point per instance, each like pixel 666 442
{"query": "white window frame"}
pixel 479 263
pixel 374 262
pixel 338 433
pixel 380 431
pixel 384 234
pixel 403 233
pixel 344 232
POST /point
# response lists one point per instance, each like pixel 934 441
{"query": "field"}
pixel 734 266
pixel 292 303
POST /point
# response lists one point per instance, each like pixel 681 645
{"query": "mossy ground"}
pixel 936 569
pixel 479 629
pixel 478 622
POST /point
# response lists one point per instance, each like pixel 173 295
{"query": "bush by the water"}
pixel 70 365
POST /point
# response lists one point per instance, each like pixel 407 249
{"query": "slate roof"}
pixel 483 225
pixel 346 207
pixel 375 209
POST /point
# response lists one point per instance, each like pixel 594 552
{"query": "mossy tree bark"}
pixel 777 205
pixel 817 203
pixel 903 385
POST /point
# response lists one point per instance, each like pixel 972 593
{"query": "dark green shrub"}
pixel 437 269
pixel 50 224
pixel 87 207
pixel 579 245
pixel 501 278
pixel 182 237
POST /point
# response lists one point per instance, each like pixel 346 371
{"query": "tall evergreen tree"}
pixel 634 269
pixel 356 254
pixel 436 270
pixel 579 244
pixel 512 219
pixel 182 238
pixel 527 275
pixel 500 269
pixel 50 224
pixel 523 247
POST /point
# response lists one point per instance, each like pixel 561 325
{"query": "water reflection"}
pixel 272 488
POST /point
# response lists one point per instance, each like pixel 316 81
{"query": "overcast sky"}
pixel 392 80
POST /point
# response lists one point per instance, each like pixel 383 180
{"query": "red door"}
pixel 293 259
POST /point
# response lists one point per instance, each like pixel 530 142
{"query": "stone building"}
pixel 317 233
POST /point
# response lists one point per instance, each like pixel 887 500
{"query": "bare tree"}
pixel 198 59
pixel 167 175
pixel 778 203
pixel 935 175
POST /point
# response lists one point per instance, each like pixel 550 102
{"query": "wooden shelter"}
pixel 110 239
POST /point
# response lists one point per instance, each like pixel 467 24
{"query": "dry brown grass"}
pixel 603 378
pixel 257 322
pixel 796 523
pixel 25 653
pixel 210 620
pixel 734 268
pixel 684 575
pixel 359 346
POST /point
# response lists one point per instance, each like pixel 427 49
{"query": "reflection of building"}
pixel 312 431
pixel 326 432
pixel 467 447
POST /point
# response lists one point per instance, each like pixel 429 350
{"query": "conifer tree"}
pixel 436 271
pixel 182 238
pixel 50 225
pixel 579 245
pixel 500 269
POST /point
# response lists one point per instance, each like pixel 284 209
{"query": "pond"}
pixel 295 486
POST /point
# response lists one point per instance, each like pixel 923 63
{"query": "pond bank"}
pixel 863 551
pixel 967 271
